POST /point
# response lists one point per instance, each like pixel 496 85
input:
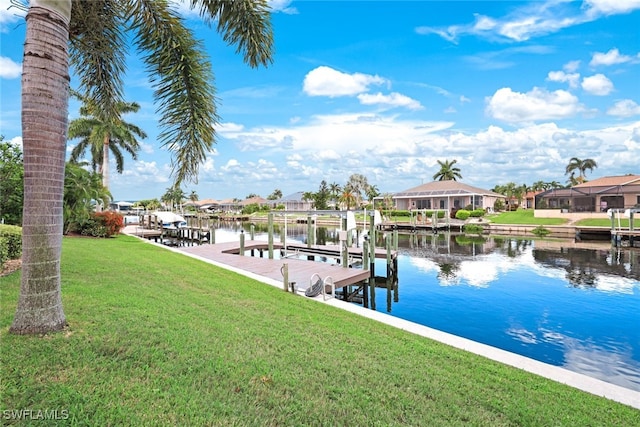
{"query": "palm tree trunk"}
pixel 45 93
pixel 105 162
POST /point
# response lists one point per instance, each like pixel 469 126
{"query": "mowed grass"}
pixel 606 222
pixel 523 217
pixel 157 338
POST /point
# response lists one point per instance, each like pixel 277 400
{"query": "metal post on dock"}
pixel 252 231
pixel 365 266
pixel 434 222
pixel 395 238
pixel 389 268
pixel 309 231
pixel 212 235
pixel 270 232
pixel 242 242
pixel 372 240
pixel 631 234
pixel 285 276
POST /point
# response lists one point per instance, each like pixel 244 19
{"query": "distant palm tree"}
pixel 447 171
pixel 334 190
pixel 348 198
pixel 581 166
pixel 277 194
pixel 372 192
pixel 193 196
pixel 101 135
pixel 308 196
pixel 173 196
pixel 539 186
pixel 357 185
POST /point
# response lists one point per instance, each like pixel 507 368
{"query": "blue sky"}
pixel 510 89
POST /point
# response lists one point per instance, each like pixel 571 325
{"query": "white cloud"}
pixel 325 81
pixel 597 84
pixel 571 66
pixel 230 165
pixel 533 20
pixel 16 141
pixel 536 105
pixel 327 155
pixel 9 69
pixel 560 76
pixel 229 127
pixel 484 23
pixel 610 7
pixel 282 6
pixel 610 58
pixel 9 14
pixel 624 108
pixel 392 100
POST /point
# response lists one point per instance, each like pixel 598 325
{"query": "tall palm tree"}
pixel 308 196
pixel 357 185
pixel 539 186
pixel 102 135
pixel 581 166
pixel 334 190
pixel 372 192
pixel 90 36
pixel 348 198
pixel 447 171
pixel 173 196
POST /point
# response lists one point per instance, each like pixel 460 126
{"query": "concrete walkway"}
pixel 580 381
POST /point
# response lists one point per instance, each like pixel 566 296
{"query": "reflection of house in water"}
pixel 584 266
pixel 456 245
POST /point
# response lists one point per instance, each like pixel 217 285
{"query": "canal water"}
pixel 575 307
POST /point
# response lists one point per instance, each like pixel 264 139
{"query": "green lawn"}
pixel 606 222
pixel 157 338
pixel 523 217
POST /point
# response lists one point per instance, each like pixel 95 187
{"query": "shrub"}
pixel 12 240
pixel 113 221
pixel 4 252
pixel 540 231
pixel 101 224
pixel 473 229
pixel 394 213
pixel 477 213
pixel 462 214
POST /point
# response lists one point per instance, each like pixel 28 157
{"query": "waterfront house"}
pixel 445 195
pixel 293 202
pixel 598 195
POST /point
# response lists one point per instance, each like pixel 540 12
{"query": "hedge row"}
pixel 10 243
pixel 397 213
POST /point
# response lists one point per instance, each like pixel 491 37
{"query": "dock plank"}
pixel 300 271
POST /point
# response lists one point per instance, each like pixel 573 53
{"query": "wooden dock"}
pixel 299 271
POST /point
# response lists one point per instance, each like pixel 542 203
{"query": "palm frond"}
pixel 98 49
pixel 181 74
pixel 243 23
